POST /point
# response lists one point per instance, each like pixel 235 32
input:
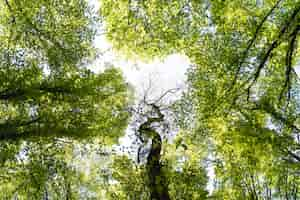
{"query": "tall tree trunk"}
pixel 157 182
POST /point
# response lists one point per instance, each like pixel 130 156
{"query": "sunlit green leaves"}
pixel 148 29
pixel 49 100
pixel 56 32
pixel 243 85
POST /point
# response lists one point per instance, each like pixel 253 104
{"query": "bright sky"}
pixel 297 69
pixel 165 74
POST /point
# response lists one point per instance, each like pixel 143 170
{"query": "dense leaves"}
pixel 45 89
pixel 149 29
pixel 238 121
pixel 243 84
pixel 47 94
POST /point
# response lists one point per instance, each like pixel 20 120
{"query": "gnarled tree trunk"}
pixel 157 182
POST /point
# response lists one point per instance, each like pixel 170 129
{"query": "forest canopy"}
pixel 234 132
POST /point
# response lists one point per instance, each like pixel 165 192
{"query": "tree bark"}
pixel 157 182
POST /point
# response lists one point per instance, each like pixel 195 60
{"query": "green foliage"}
pixel 148 29
pixel 240 115
pixel 39 170
pixel 128 180
pixel 243 84
pixel 185 170
pixel 44 92
pixel 186 177
pixel 56 32
pixel 47 94
pixel 79 103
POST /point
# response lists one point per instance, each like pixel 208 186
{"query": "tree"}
pixel 44 89
pixel 157 181
pixel 243 84
pixel 239 116
pixel 48 94
pixel 157 168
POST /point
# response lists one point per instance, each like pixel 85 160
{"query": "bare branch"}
pixel 170 91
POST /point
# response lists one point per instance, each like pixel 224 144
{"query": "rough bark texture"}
pixel 158 185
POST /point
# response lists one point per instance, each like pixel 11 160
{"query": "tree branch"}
pixel 276 115
pixel 273 45
pixel 10 10
pixel 289 59
pixel 295 156
pixel 253 39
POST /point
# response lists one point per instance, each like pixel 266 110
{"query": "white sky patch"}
pixel 95 4
pixel 164 74
pixel 297 69
pixel 161 74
